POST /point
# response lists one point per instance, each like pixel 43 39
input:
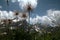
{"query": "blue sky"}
pixel 45 12
pixel 42 7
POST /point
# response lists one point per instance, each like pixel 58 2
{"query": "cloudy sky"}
pixel 45 11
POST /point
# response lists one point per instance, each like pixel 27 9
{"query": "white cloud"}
pixel 35 20
pixel 52 18
pixel 55 16
pixel 6 15
pixel 11 15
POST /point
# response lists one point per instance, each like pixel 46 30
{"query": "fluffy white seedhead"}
pixel 24 3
